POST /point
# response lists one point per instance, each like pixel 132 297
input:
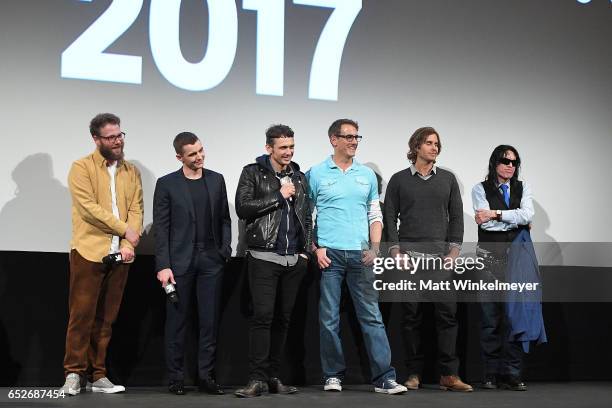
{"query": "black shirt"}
pixel 201 205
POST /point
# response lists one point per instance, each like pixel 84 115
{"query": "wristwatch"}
pixel 498 215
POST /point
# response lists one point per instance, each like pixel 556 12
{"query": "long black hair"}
pixel 499 153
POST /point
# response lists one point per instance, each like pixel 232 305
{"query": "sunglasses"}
pixel 507 162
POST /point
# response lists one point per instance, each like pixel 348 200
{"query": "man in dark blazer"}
pixel 192 229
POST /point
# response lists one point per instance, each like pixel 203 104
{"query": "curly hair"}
pixel 101 120
pixel 277 131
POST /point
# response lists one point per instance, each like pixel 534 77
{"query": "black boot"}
pixel 210 386
pixel 277 387
pixel 253 389
pixel 177 387
pixel 512 383
pixel 489 382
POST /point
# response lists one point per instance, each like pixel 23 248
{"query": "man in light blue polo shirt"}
pixel 348 233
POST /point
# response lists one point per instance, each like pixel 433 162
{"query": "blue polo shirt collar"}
pixel 332 164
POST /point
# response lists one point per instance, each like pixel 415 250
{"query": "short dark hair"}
pixel 101 120
pixel 418 138
pixel 277 131
pixel 499 153
pixel 334 129
pixel 182 139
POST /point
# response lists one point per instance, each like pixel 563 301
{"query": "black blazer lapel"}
pixel 184 191
pixel 211 185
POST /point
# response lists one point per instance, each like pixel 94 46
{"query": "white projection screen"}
pixel 536 74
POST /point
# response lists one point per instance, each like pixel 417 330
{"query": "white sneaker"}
pixel 390 387
pixel 72 386
pixel 105 386
pixel 333 384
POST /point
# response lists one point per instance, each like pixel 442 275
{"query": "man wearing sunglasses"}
pixel 348 233
pixel 107 212
pixel 427 202
pixel 503 208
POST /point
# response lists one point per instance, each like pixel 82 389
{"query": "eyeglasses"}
pixel 507 161
pixel 113 138
pixel 350 138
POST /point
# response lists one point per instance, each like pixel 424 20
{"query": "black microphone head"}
pixel 171 293
pixel 112 259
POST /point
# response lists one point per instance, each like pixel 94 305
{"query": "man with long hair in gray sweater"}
pixel 427 202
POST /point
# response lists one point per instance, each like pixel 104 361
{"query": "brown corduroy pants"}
pixel 94 300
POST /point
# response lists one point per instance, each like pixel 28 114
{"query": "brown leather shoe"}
pixel 413 382
pixel 253 389
pixel 454 383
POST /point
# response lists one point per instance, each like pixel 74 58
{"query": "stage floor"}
pixel 541 395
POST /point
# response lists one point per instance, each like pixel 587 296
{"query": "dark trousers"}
pixel 273 291
pixel 94 300
pixel 446 328
pixel 204 277
pixel 500 356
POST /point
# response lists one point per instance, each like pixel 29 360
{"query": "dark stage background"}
pixel 33 318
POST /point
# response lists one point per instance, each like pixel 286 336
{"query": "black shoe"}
pixel 277 387
pixel 512 383
pixel 489 382
pixel 210 386
pixel 177 388
pixel 253 389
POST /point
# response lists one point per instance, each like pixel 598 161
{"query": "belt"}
pixel 415 254
pixel 489 257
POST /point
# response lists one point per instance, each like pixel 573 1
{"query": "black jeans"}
pixel 445 311
pixel 273 291
pixel 446 329
pixel 204 276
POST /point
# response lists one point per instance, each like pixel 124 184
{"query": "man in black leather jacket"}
pixel 272 197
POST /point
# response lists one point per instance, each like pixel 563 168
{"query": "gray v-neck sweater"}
pixel 429 211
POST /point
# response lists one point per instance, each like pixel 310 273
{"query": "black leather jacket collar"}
pixel 258 202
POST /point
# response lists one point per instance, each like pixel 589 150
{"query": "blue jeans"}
pixel 359 278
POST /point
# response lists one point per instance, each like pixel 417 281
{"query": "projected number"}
pixel 85 57
pixel 270 45
pixel 325 70
pixel 166 48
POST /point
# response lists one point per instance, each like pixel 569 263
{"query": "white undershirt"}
pixel 114 248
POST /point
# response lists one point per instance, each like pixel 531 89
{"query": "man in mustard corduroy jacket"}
pixel 107 212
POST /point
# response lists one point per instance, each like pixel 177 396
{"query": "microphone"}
pixel 171 293
pixel 286 179
pixel 111 260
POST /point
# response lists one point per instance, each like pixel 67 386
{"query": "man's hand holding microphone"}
pixel 287 188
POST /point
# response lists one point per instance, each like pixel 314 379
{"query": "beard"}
pixel 193 166
pixel 109 154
